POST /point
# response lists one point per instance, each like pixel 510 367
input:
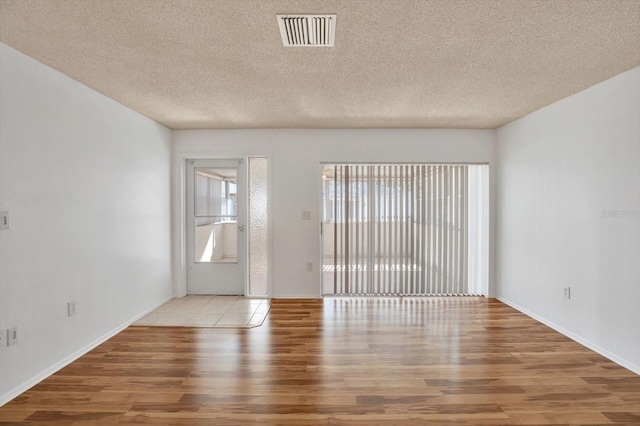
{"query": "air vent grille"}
pixel 307 30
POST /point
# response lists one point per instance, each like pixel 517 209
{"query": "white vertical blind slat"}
pixel 423 228
pixel 465 227
pixel 401 233
pixel 354 228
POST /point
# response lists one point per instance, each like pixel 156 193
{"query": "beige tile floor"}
pixel 209 311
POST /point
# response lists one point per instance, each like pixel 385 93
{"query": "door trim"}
pixel 179 214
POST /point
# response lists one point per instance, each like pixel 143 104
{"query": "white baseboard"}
pixel 584 342
pixel 77 354
pixel 296 296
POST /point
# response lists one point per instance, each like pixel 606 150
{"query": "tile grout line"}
pixel 194 308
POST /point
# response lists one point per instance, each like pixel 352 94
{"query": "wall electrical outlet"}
pixel 309 266
pixel 12 336
pixel 71 309
pixel 305 215
pixel 567 292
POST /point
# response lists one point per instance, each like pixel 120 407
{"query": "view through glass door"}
pixel 405 229
pixel 215 227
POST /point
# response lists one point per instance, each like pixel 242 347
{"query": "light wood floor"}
pixel 454 361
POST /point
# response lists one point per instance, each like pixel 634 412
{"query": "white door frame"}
pixel 179 215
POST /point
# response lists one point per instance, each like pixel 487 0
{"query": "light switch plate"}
pixel 4 221
pixel 71 308
pixel 12 336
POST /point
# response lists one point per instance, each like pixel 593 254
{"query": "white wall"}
pixel 560 170
pixel 295 156
pixel 87 184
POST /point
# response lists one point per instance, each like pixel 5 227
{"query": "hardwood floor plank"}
pixel 359 361
pixel 74 416
pixel 14 414
pixel 623 417
pixel 545 418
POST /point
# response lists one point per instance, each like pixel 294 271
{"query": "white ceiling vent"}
pixel 307 30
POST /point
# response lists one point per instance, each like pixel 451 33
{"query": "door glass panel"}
pixel 216 230
pixel 258 231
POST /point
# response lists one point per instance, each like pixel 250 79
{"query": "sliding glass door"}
pixel 404 229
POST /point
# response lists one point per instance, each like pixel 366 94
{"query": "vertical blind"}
pixel 397 229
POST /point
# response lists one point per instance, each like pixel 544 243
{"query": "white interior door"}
pixel 215 227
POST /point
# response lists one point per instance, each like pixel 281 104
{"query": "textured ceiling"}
pixel 396 63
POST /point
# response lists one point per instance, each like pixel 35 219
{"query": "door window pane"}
pixel 215 217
